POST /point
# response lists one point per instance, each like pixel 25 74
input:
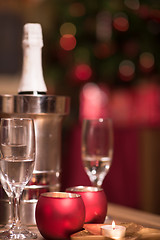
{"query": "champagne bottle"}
pixel 32 79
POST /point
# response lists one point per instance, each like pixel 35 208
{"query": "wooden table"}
pixel 124 214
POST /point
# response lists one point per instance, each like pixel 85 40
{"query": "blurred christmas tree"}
pixel 111 42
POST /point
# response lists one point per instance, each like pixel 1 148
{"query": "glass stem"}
pixel 16 211
pixel 10 219
pixel 96 182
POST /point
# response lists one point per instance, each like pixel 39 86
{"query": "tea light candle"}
pixel 113 231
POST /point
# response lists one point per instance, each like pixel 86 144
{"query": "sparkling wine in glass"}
pixel 16 166
pixel 97 148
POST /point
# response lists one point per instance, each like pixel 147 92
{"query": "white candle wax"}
pixel 116 232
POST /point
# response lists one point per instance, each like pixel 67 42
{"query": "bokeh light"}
pixel 126 70
pixel 68 42
pixel 132 4
pixel 120 22
pixel 83 72
pixel 93 102
pixel 104 26
pixel 144 11
pixel 77 9
pixel 103 50
pixel 68 28
pixel 146 61
pixel 91 91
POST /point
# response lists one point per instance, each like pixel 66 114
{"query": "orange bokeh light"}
pixel 68 28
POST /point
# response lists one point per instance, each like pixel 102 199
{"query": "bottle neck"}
pixel 32 80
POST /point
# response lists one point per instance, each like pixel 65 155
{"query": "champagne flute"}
pixel 16 166
pixel 97 148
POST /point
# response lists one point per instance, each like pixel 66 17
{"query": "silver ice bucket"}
pixel 48 112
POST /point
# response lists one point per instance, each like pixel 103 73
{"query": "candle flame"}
pixel 113 225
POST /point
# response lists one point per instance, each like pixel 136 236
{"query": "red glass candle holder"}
pixel 95 202
pixel 59 214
